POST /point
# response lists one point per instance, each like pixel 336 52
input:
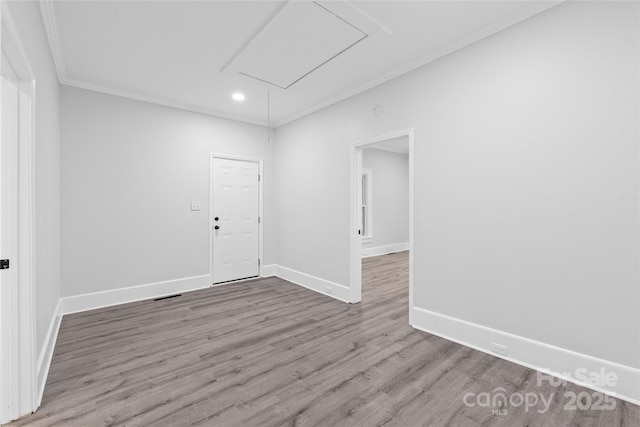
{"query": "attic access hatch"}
pixel 299 39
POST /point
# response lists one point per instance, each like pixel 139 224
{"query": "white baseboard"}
pixel 76 303
pixel 383 250
pixel 537 355
pixel 314 283
pixel 268 270
pixel 533 354
pixel 84 302
pixel 46 353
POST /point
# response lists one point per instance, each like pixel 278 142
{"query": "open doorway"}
pixel 382 216
pixel 385 221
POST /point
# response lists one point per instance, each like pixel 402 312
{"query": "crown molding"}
pixel 7 20
pixel 163 102
pixel 51 28
pixel 48 17
pixel 522 15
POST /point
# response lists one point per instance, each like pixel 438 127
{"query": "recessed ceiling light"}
pixel 238 96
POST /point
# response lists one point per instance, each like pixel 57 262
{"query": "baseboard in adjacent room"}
pixel 549 359
pixel 76 303
pixel 46 354
pixel 383 250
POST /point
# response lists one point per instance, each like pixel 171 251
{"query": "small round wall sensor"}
pixel 377 110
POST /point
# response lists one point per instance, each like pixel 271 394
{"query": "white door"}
pixel 9 362
pixel 235 210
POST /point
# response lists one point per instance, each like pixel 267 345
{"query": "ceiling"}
pixel 194 54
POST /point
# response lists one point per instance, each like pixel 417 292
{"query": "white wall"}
pixel 26 16
pixel 390 197
pixel 129 172
pixel 526 180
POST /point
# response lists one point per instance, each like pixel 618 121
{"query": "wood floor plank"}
pixel 269 353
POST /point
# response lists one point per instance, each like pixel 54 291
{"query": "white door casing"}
pixel 9 361
pixel 236 214
pixel 17 335
pixel 355 213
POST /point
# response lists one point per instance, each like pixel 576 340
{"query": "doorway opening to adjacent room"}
pixel 378 226
pixel 18 373
pixel 235 218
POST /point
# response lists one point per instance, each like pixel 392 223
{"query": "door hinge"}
pixel 258 263
pixel 258 177
pixel 4 264
pixel 258 220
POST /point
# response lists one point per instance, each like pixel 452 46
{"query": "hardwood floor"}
pixel 270 353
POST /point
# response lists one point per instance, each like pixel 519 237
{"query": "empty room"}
pixel 319 213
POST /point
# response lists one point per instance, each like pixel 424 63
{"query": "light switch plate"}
pixel 195 206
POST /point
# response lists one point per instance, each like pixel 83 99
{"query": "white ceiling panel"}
pixel 302 37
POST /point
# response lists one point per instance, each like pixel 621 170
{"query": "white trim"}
pixel 51 29
pixel 48 16
pixel 80 303
pixel 391 150
pixel 522 15
pixel 26 248
pixel 7 17
pixel 355 244
pixel 23 345
pixel 268 270
pixel 260 163
pixel 84 302
pixel 47 10
pixel 46 354
pixel 523 351
pixel 530 353
pixel 313 283
pixel 163 102
pixel 386 249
